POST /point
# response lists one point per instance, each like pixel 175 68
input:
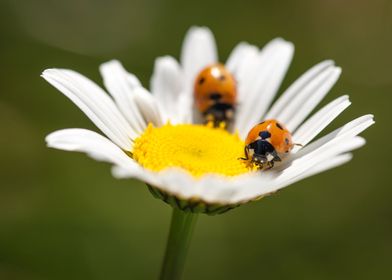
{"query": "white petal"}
pixel 121 85
pixel 94 102
pixel 304 94
pixel 91 143
pixel 223 191
pixel 198 51
pixel 174 181
pixel 339 141
pixel 148 107
pixel 259 85
pixel 319 121
pixel 307 161
pixel 123 172
pixel 300 83
pixel 347 131
pixel 240 58
pixel 325 165
pixel 255 186
pixel 306 106
pixel 167 85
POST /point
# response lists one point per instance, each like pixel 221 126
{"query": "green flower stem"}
pixel 181 229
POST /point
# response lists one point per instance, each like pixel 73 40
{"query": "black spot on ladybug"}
pixel 222 78
pixel 201 81
pixel 279 126
pixel 286 140
pixel 262 122
pixel 215 96
pixel 264 134
pixel 287 151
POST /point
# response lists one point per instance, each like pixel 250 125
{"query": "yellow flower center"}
pixel 199 149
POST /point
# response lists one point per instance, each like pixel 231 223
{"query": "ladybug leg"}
pixel 275 156
pixel 246 154
pixel 270 164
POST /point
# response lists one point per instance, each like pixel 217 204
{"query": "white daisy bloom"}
pixel 192 166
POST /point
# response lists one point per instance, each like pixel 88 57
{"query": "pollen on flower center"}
pixel 199 149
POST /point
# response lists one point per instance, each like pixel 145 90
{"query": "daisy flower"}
pixel 157 137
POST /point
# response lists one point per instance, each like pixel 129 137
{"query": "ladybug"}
pixel 215 94
pixel 266 142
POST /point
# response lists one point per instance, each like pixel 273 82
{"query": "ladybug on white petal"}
pixel 266 142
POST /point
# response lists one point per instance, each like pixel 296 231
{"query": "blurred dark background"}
pixel 63 216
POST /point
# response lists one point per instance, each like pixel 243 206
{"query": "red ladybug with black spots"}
pixel 215 94
pixel 266 142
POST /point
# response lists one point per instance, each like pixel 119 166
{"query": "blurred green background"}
pixel 63 216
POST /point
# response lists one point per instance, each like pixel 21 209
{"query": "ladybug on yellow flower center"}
pixel 266 142
pixel 215 94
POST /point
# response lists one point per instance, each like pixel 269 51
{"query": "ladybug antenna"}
pixel 277 158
